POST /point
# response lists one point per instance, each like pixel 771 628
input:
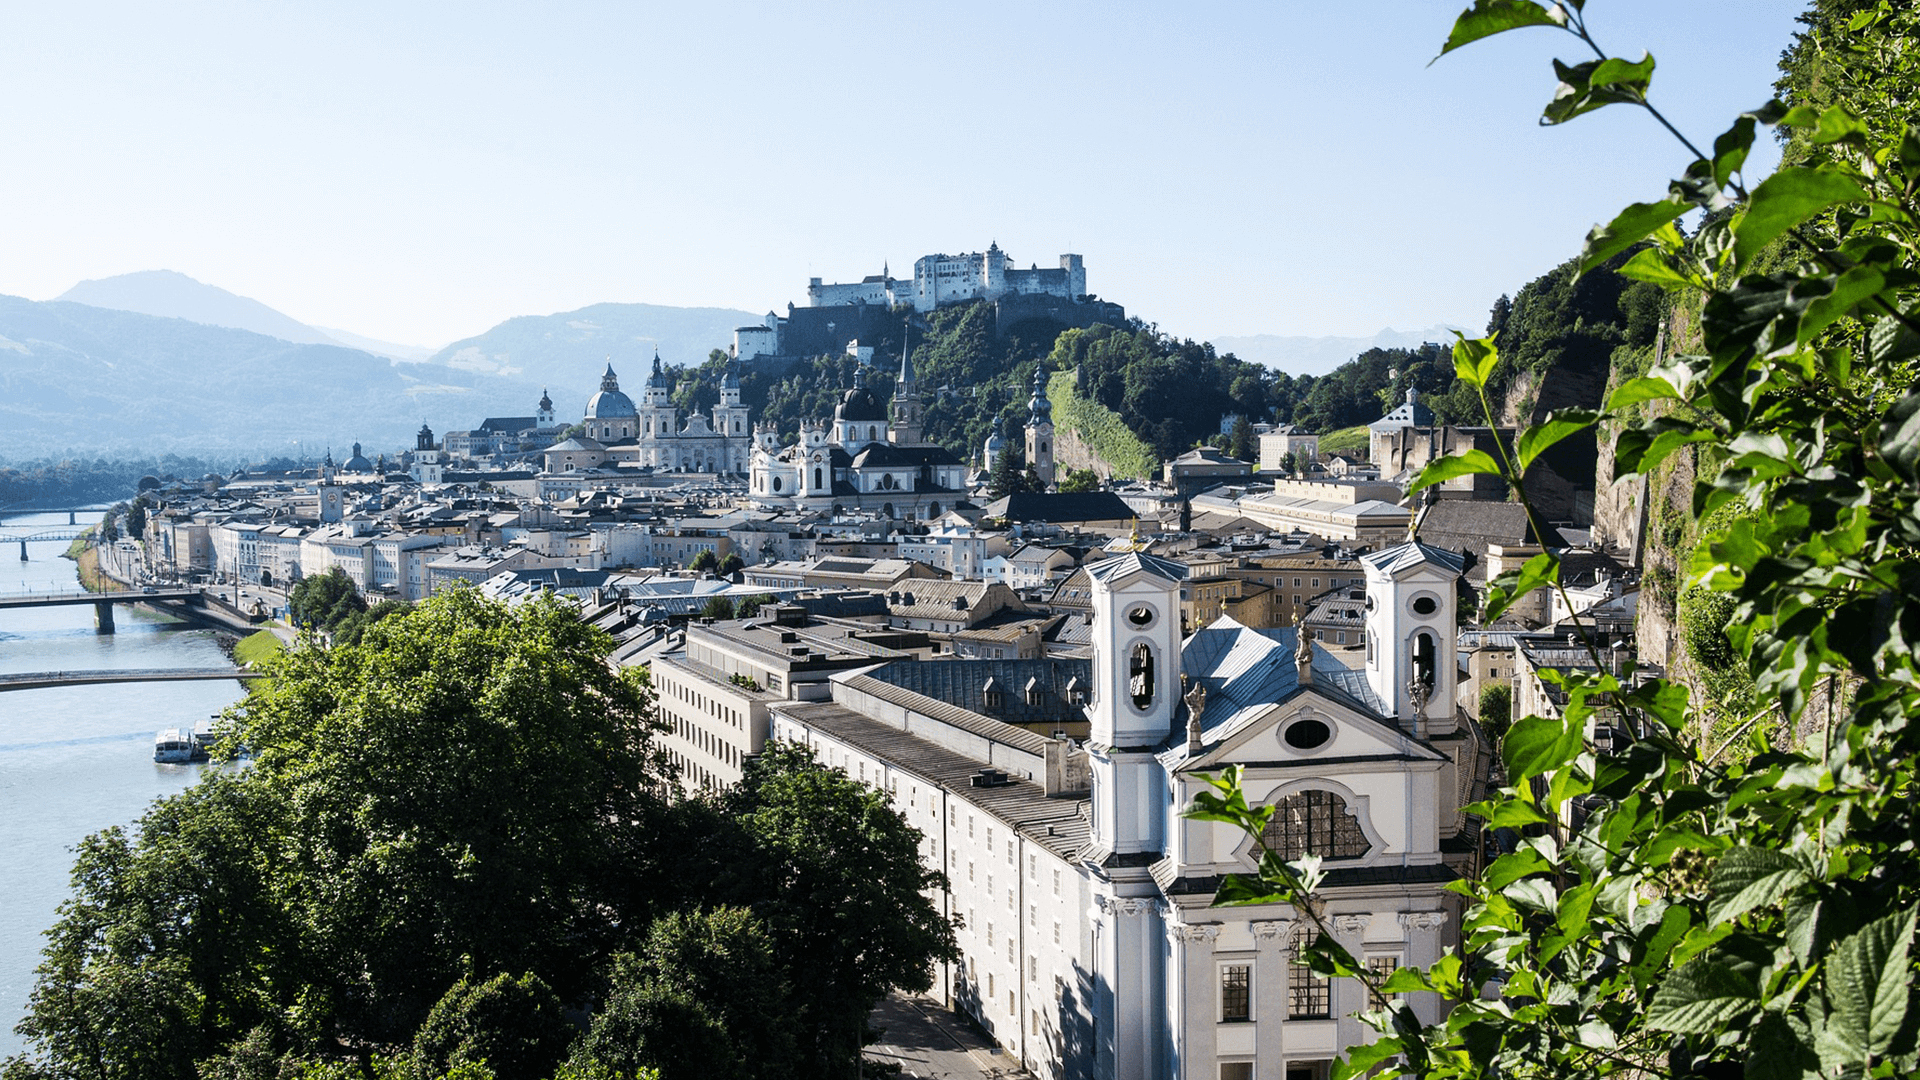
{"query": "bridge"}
pixel 40 680
pixel 103 602
pixel 66 536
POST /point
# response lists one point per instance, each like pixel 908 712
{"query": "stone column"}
pixel 1192 993
pixel 1271 939
pixel 103 617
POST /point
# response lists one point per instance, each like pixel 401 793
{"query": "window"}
pixel 1056 882
pixel 1236 993
pixel 1380 967
pixel 1317 822
pixel 1236 1070
pixel 1140 677
pixel 1310 995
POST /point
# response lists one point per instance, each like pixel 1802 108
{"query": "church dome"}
pixel 859 402
pixel 358 462
pixel 610 403
pixel 996 442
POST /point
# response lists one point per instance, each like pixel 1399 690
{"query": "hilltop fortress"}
pixel 839 313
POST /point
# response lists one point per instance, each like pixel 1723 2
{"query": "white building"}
pixel 950 279
pixel 1090 944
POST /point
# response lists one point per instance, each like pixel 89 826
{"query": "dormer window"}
pixel 1036 694
pixel 992 696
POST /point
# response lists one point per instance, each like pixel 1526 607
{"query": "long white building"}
pixel 1090 945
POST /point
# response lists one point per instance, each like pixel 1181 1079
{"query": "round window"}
pixel 1307 734
pixel 1140 616
pixel 1425 605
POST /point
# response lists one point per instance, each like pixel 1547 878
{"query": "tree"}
pixel 730 564
pixel 1009 475
pixel 705 996
pixel 1496 710
pixel 109 530
pixel 1700 905
pixel 325 601
pixel 719 607
pixel 843 892
pixel 1080 480
pixel 514 1026
pixel 1241 443
pixel 702 560
pixel 749 606
pixel 137 519
pixel 353 626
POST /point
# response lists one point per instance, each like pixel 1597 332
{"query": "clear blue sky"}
pixel 418 172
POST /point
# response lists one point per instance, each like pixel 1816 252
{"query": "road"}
pixel 928 1041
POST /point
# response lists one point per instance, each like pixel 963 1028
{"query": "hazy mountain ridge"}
pixel 171 294
pixel 571 348
pixel 1299 355
pixel 84 379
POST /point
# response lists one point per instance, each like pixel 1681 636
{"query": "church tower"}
pixel 1136 687
pixel 905 430
pixel 658 418
pixel 730 421
pixel 543 416
pixel 1040 428
pixel 1411 634
pixel 427 468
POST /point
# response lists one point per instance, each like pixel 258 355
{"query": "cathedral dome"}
pixel 859 402
pixel 358 462
pixel 610 403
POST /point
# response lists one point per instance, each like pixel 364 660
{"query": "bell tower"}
pixel 1411 634
pixel 1040 428
pixel 905 430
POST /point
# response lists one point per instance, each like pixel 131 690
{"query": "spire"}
pixel 611 382
pixel 906 356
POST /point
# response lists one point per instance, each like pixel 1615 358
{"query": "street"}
pixel 926 1040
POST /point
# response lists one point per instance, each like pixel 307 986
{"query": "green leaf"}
pixel 1560 423
pixel 1746 878
pixel 1628 227
pixel 1900 437
pixel 1642 388
pixel 1787 199
pixel 1700 998
pixel 1597 84
pixel 1465 463
pixel 1489 17
pixel 1730 149
pixel 1507 589
pixel 1474 360
pixel 1536 745
pixel 1854 287
pixel 1775 1052
pixel 1867 983
pixel 1651 266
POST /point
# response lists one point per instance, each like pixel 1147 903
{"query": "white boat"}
pixel 174 747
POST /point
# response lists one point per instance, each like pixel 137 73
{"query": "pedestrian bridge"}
pixel 40 680
pixel 103 602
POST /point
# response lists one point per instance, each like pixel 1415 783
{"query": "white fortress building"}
pixel 943 279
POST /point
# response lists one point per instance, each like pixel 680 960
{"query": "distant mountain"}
pixel 76 378
pixel 569 350
pixel 412 354
pixel 1320 355
pixel 177 296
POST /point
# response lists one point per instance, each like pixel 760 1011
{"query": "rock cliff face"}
pixel 1070 451
pixel 1562 482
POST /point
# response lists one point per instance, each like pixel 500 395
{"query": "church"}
pixel 868 458
pixel 1090 946
pixel 622 436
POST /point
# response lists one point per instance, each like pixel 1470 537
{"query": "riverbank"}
pixel 92 577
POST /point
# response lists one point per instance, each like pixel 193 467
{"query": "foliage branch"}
pixel 1675 909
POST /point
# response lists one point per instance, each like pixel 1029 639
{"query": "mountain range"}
pixel 1320 355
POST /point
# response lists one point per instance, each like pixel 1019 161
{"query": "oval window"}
pixel 1140 616
pixel 1425 605
pixel 1307 734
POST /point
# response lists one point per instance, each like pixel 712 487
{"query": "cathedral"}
pixel 1091 946
pixel 651 435
pixel 862 460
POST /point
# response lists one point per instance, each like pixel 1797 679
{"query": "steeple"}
pixel 611 382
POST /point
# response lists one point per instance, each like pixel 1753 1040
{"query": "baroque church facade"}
pixel 867 458
pixel 651 435
pixel 1091 946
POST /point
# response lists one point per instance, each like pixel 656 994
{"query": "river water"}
pixel 75 760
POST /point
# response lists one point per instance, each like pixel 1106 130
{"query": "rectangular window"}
pixel 1236 1070
pixel 1381 967
pixel 1236 993
pixel 1309 997
pixel 1056 883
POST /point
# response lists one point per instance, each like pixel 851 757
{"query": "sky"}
pixel 419 172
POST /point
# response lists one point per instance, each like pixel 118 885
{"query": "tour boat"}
pixel 175 747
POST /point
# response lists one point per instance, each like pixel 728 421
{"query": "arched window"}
pixel 1424 660
pixel 776 483
pixel 1317 822
pixel 1140 676
pixel 873 432
pixel 816 478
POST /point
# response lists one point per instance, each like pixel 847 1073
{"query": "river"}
pixel 75 760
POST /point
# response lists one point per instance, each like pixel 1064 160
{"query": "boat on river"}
pixel 173 746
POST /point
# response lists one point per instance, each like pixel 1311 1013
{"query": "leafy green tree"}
pixel 513 1025
pixel 1707 913
pixel 1241 443
pixel 1080 480
pixel 749 606
pixel 703 560
pixel 325 601
pixel 705 996
pixel 729 564
pixel 1009 475
pixel 137 520
pixel 844 894
pixel 109 529
pixel 1496 710
pixel 719 607
pixel 352 627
